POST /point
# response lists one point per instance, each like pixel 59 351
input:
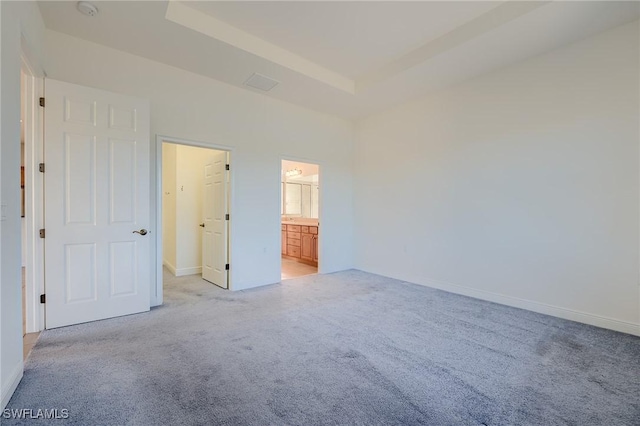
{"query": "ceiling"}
pixel 349 38
pixel 349 59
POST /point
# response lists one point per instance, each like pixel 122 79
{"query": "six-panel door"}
pixel 96 198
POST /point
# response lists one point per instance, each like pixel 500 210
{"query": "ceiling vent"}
pixel 261 82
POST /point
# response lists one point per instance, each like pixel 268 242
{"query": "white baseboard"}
pixel 529 305
pixel 188 271
pixel 169 266
pixel 182 271
pixel 11 384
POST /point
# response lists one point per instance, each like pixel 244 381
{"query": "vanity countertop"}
pixel 301 222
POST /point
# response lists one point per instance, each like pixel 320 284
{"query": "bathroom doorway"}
pixel 299 212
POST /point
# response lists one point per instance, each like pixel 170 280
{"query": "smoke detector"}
pixel 87 8
pixel 261 82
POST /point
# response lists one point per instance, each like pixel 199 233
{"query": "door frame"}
pixel 157 296
pixel 33 194
pixel 321 166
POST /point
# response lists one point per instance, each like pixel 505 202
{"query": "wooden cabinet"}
pixel 293 251
pixel 314 248
pixel 293 241
pixel 313 231
pixel 300 242
pixel 306 251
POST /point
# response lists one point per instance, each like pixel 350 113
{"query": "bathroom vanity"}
pixel 300 242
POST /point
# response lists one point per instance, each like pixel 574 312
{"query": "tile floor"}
pixel 28 341
pixel 293 269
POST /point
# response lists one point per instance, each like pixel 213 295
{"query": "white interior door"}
pixel 214 238
pixel 96 198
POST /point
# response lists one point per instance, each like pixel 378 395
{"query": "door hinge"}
pixel 41 167
pixel 43 298
pixel 226 267
pixel 227 167
pixel 42 102
pixel 226 216
pixel 42 233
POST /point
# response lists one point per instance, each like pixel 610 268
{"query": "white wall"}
pixel 6 388
pixel 258 129
pixel 520 186
pixel 189 214
pixel 20 24
pixel 169 206
pixel 23 220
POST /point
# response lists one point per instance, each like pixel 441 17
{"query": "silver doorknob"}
pixel 141 232
pixel 202 225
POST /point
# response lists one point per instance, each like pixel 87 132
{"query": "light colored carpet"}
pixel 344 348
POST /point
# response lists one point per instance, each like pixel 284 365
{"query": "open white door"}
pixel 97 252
pixel 214 238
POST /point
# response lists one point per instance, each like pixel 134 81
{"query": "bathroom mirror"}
pixel 300 190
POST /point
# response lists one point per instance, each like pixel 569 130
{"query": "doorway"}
pixel 29 331
pixel 31 199
pixel 195 213
pixel 23 224
pixel 299 212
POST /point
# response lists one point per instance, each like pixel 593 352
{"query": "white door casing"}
pixel 214 238
pixel 96 196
